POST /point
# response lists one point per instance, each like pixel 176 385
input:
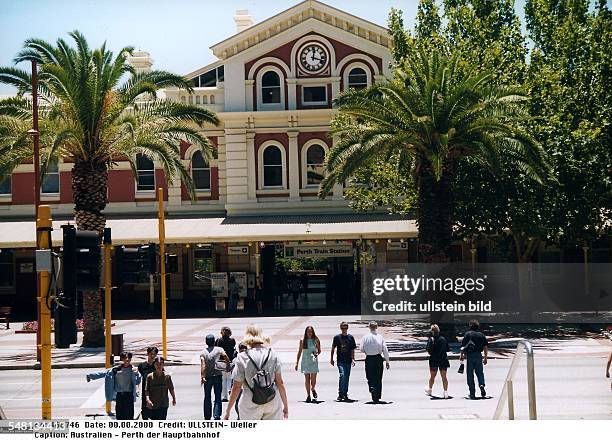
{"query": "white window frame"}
pixel 304 155
pixel 260 166
pixel 145 191
pixel 314 103
pixel 191 169
pixel 353 65
pixel 51 195
pixel 281 78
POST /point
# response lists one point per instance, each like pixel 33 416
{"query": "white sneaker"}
pixel 446 394
pixel 428 392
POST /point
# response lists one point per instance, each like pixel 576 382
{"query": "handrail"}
pixel 507 394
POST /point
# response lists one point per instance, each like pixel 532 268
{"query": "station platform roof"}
pixel 21 234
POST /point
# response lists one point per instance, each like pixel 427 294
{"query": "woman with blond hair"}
pixel 258 374
pixel 437 347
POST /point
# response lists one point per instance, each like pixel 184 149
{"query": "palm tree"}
pixel 434 114
pixel 95 110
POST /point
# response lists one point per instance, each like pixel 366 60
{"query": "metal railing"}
pixel 507 394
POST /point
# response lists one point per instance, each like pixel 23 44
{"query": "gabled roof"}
pixel 306 10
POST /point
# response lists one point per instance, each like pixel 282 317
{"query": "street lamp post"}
pixel 34 132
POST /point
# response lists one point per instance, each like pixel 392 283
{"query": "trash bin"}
pixel 116 344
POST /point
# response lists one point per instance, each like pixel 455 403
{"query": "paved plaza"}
pixel 569 373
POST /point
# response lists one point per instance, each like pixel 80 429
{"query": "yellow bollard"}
pixel 43 231
pixel 107 306
pixel 162 267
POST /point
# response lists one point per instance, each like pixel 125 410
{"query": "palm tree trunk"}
pixel 435 212
pixel 435 221
pixel 89 186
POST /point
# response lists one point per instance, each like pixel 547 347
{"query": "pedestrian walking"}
pixel 145 368
pixel 258 375
pixel 157 387
pixel 345 345
pixel 213 361
pixel 375 349
pixel 309 350
pixel 121 385
pixel 473 345
pixel 437 347
pixel 228 344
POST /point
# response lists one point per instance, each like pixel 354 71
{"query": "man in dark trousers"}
pixel 227 343
pixel 145 368
pixel 126 381
pixel 375 348
pixel 472 347
pixel 345 344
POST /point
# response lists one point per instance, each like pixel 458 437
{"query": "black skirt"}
pixel 442 364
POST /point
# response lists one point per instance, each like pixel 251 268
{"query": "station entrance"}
pixel 312 277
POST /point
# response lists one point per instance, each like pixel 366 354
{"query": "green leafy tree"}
pixel 95 110
pixel 432 116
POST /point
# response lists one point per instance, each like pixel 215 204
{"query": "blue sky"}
pixel 177 33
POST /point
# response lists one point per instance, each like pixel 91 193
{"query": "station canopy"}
pixel 21 234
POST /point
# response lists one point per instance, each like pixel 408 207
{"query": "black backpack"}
pixel 263 383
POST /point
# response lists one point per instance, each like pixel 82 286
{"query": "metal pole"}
pixel 533 413
pixel 43 232
pixel 151 290
pixel 510 400
pixel 107 304
pixel 162 264
pixel 36 152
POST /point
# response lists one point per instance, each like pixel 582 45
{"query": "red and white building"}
pixel 272 87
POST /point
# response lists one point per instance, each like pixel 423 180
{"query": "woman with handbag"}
pixel 437 347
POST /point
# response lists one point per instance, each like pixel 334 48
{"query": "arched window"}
pixel 145 174
pixel 272 167
pixel 270 88
pixel 198 99
pixel 183 99
pixel 357 78
pixel 200 172
pixel 315 157
pixel 51 180
pixel 190 99
pixel 212 99
pixel 205 99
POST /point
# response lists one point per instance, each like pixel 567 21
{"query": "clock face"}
pixel 313 57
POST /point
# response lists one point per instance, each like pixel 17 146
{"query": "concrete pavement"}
pixel 567 387
pixel 406 340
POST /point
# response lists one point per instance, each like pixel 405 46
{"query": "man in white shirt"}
pixel 375 348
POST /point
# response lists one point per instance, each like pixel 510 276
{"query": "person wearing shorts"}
pixel 437 347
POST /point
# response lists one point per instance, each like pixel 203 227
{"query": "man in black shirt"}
pixel 227 343
pixel 346 345
pixel 473 345
pixel 145 368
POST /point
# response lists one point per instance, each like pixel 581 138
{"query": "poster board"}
pixel 218 282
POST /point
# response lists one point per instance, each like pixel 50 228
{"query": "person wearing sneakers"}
pixel 437 347
pixel 473 345
pixel 345 344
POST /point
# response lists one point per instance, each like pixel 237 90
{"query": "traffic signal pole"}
pixel 43 233
pixel 162 267
pixel 108 246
